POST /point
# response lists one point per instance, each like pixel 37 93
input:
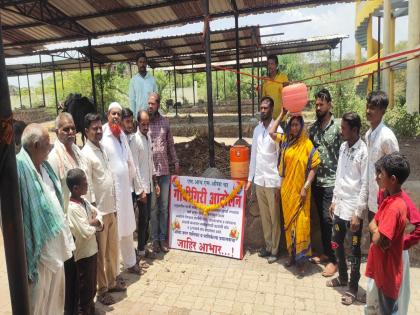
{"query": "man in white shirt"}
pixel 141 85
pixel 101 193
pixel 48 240
pixel 116 146
pixel 348 204
pixel 141 148
pixel 380 140
pixel 263 171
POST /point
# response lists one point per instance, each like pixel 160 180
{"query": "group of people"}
pixel 78 204
pixel 330 168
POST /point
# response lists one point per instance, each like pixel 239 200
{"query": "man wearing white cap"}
pixel 120 158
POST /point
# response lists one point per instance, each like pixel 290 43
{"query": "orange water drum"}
pixel 239 162
pixel 295 97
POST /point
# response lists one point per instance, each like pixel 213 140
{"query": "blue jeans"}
pixel 159 213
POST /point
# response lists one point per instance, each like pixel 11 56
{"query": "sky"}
pixel 335 19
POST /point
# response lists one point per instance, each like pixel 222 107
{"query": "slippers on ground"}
pixel 119 287
pixel 144 265
pixel 348 298
pixel 336 282
pixel 106 299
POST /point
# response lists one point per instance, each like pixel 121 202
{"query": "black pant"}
pixel 340 229
pixel 86 268
pixel 323 197
pixel 71 300
pixel 143 222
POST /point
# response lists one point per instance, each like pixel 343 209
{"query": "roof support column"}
pixel 11 213
pixel 62 84
pixel 55 84
pixel 388 47
pixel 42 82
pixel 176 97
pixel 413 66
pixel 209 83
pixel 238 77
pixel 252 87
pixel 92 73
pixel 20 92
pixel 224 84
pixel 29 87
pixel 102 88
pixel 193 84
pixel 217 88
pixel 379 54
pixel 182 87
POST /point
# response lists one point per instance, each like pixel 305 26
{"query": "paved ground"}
pixel 189 283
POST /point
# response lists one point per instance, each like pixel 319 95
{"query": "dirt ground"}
pixel 410 147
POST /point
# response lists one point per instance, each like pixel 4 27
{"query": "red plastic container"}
pixel 295 97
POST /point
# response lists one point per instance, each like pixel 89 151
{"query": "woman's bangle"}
pixel 307 185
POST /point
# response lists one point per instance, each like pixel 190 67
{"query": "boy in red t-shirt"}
pixel 384 264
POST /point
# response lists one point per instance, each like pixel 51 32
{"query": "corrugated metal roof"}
pixel 78 19
pixel 184 61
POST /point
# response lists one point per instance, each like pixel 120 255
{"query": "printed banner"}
pixel 221 232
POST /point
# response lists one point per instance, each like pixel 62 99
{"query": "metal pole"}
pixel 209 83
pixel 217 88
pixel 330 64
pixel 131 71
pixel 192 67
pixel 102 88
pixel 62 84
pixel 182 87
pixel 252 87
pixel 170 88
pixel 29 87
pixel 379 53
pixel 176 97
pixel 224 84
pixel 341 66
pixel 42 81
pixel 11 212
pixel 20 92
pixel 80 73
pixel 238 77
pixel 92 73
pixel 55 84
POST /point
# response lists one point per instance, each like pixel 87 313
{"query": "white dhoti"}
pixel 47 295
pixel 127 251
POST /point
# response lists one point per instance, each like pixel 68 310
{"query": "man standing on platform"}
pixel 48 240
pixel 325 135
pixel 141 85
pixel 275 84
pixel 118 151
pixel 163 152
pixel 101 193
pixel 263 171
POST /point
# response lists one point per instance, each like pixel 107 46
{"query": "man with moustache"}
pixel 48 240
pixel 163 153
pixel 141 85
pixel 101 193
pixel 141 147
pixel 65 156
pixel 325 135
pixel 263 171
pixel 124 174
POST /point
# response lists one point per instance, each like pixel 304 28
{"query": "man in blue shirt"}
pixel 141 85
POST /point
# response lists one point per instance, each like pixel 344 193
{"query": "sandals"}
pixel 348 298
pixel 336 282
pixel 290 262
pixel 106 299
pixel 119 287
pixel 135 270
pixel 317 260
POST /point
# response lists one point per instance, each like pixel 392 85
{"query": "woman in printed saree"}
pixel 297 166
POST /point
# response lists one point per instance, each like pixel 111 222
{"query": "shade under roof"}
pixel 29 24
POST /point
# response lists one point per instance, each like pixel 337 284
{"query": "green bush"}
pixel 402 123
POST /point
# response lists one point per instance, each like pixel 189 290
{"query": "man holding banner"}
pixel 263 171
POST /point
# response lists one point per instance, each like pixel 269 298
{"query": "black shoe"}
pixel 264 253
pixel 272 259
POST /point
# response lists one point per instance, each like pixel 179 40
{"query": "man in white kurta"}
pixel 48 239
pixel 120 158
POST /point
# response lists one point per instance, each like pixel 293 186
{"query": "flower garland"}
pixel 205 209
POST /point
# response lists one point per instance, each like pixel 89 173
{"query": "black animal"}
pixel 78 106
